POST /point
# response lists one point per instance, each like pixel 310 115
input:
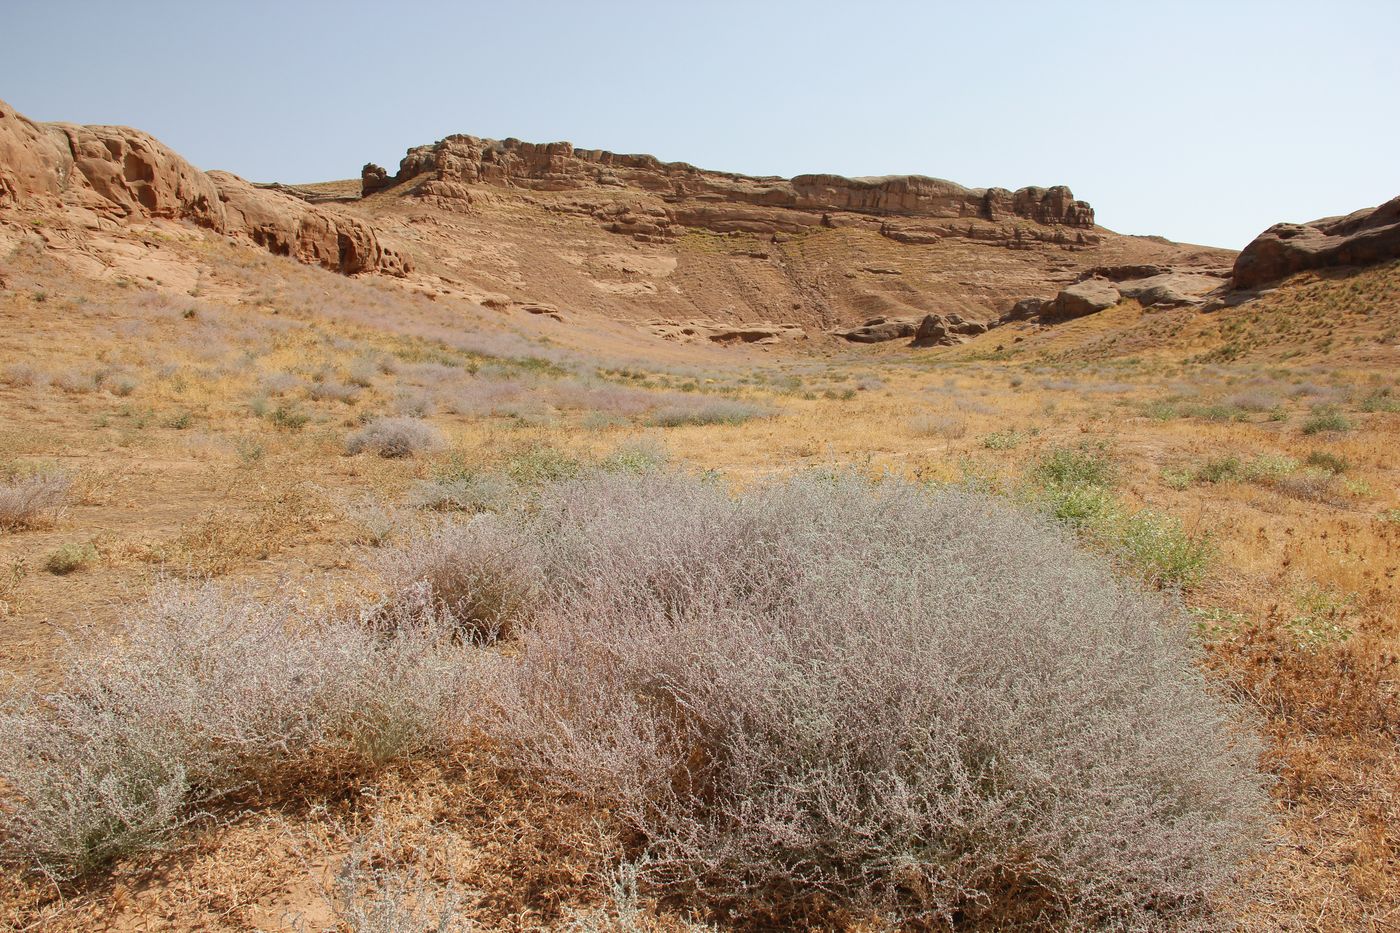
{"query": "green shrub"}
pixel 1083 507
pixel 1004 440
pixel 1326 419
pixel 1161 551
pixel 1221 470
pixel 1330 462
pixel 1075 467
pixel 702 411
pixel 1381 400
pixel 1269 467
pixel 1219 412
pixel 288 418
pixel 542 464
pixel 70 558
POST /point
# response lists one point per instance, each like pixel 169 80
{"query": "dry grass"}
pixel 33 501
pixel 1179 392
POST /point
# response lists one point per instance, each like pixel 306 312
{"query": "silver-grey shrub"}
pixel 395 437
pixel 208 690
pixel 927 703
pixel 34 500
pixel 477 576
pixel 701 411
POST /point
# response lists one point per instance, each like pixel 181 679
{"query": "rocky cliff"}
pixel 1361 238
pixel 578 237
pixel 677 195
pixel 117 174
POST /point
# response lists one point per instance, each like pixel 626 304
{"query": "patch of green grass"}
pixel 1268 467
pixel 640 455
pixel 541 465
pixel 1218 413
pixel 1214 623
pixel 1082 507
pixel 1161 411
pixel 1151 545
pixel 1178 479
pixel 1162 551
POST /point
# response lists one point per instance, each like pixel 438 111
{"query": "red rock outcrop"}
pixel 682 195
pixel 946 330
pixel 1082 298
pixel 123 174
pixel 1367 236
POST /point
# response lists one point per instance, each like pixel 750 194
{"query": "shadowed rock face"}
pixel 1367 236
pixel 122 174
pixel 724 202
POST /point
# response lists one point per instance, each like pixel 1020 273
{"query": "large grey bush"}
pixel 210 689
pixel 33 500
pixel 924 703
pixel 395 437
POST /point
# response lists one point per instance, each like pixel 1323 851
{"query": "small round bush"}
pixel 868 695
pixel 395 437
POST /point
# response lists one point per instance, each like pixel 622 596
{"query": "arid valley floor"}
pixel 194 401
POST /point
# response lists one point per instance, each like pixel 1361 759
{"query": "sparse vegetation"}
pixel 32 500
pixel 156 430
pixel 1326 419
pixel 209 690
pixel 70 558
pixel 395 437
pixel 708 411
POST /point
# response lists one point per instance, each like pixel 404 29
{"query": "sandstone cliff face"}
pixel 122 174
pixel 677 195
pixel 1367 236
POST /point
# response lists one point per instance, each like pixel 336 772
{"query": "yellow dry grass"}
pixel 193 471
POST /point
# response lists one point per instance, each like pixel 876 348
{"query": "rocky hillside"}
pixel 691 254
pixel 578 237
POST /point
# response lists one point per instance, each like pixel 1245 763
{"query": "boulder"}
pixel 1023 310
pixel 288 226
pixel 1169 289
pixel 945 330
pixel 878 330
pixel 1365 237
pixel 758 332
pixel 35 159
pixel 1122 273
pixel 1083 298
pixel 373 178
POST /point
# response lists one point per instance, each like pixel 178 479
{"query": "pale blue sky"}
pixel 1204 122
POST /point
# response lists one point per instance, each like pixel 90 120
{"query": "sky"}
pixel 1204 122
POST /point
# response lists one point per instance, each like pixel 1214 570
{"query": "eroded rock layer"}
pixel 677 195
pixel 120 174
pixel 1361 238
